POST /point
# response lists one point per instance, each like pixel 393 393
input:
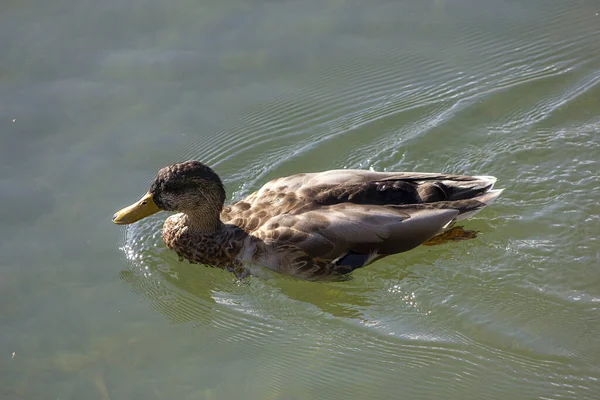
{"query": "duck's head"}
pixel 189 187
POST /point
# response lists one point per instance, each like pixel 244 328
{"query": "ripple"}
pixel 513 309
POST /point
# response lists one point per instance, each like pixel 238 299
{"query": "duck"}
pixel 312 226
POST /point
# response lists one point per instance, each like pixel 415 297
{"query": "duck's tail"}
pixel 486 195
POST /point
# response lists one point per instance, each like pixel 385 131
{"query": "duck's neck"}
pixel 204 221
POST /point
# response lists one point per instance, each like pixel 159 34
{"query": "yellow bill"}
pixel 141 209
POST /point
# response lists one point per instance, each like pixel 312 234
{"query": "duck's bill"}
pixel 141 209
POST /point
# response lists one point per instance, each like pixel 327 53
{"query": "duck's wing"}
pixel 344 237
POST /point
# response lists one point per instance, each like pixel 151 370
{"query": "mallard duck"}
pixel 312 225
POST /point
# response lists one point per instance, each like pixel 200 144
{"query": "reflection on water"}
pixel 96 96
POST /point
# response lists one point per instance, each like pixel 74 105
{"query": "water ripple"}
pixel 514 307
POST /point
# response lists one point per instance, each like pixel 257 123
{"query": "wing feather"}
pixel 334 231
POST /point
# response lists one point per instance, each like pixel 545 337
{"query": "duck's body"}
pixel 311 225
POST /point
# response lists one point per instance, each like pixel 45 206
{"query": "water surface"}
pixel 95 97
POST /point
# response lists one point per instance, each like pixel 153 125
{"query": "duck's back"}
pixel 306 192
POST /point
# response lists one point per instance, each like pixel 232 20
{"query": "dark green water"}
pixel 96 96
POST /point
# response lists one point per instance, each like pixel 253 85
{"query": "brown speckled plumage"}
pixel 312 225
